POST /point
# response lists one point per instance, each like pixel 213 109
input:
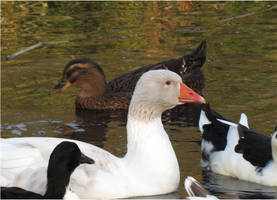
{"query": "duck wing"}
pixel 255 147
pixel 108 101
pixel 194 188
pixel 187 66
pixel 213 127
pixel 196 191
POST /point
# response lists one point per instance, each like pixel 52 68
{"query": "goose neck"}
pixel 143 113
pixel 145 136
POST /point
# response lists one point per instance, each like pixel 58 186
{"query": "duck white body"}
pixel 227 161
pixel 149 167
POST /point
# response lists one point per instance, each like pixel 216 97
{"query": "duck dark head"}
pixel 86 74
pixel 68 156
pixel 62 162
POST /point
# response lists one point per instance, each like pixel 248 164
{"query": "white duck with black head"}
pixel 63 161
pixel 150 166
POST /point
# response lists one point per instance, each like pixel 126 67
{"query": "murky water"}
pixel 241 71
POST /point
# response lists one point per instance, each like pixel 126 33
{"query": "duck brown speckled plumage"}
pixel 97 94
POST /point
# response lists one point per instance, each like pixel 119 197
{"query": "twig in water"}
pixel 39 44
pixel 236 17
pixel 247 14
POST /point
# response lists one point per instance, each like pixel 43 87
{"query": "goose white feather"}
pixel 149 167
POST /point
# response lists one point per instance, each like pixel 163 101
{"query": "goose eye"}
pixel 167 82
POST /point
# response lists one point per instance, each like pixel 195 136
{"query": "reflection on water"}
pixel 39 127
pixel 241 73
pixel 234 188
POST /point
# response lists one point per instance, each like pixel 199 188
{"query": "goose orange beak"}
pixel 187 95
pixel 63 86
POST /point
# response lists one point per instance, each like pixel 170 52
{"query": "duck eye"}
pixel 167 82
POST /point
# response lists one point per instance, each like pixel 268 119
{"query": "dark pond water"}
pixel 241 70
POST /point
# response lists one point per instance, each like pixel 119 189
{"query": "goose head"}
pixel 160 90
pixel 85 74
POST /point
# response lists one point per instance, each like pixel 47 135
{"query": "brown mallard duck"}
pixel 97 94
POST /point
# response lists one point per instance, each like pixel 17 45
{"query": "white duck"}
pixel 149 167
pixel 233 150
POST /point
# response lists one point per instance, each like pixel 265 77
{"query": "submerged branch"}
pixel 236 17
pixel 39 44
pixel 247 14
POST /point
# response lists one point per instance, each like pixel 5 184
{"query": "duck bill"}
pixel 62 86
pixel 85 159
pixel 187 95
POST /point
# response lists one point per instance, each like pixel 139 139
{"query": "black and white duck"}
pixel 64 159
pixel 235 150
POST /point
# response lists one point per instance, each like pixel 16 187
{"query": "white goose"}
pixel 149 167
pixel 234 150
